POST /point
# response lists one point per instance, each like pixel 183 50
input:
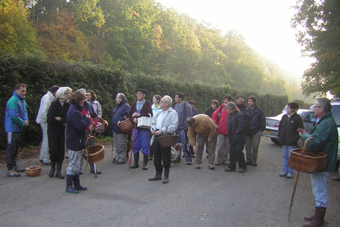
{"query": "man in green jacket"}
pixel 325 139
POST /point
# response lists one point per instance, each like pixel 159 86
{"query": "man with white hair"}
pixel 163 123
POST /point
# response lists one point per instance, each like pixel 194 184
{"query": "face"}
pixel 155 101
pixel 177 99
pixel 251 103
pixel 213 106
pixel 225 101
pixel 68 95
pixel 140 95
pixel 118 100
pixel 88 96
pixel 318 110
pixel 192 106
pixel 229 111
pixel 21 92
pixel 239 100
pixel 289 110
pixel 163 103
pixel 81 103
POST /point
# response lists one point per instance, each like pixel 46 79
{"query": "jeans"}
pixel 183 140
pixel 319 187
pixel 286 154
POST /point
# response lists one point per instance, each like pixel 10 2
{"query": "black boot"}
pixel 158 176
pixel 136 160
pixel 166 175
pixel 77 185
pixel 51 173
pixel 92 169
pixel 59 164
pixel 318 217
pixel 145 162
pixel 69 188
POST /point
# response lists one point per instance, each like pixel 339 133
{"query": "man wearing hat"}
pixel 140 108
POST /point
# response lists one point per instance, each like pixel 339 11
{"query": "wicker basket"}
pixel 125 126
pixel 35 170
pixel 167 141
pixel 302 159
pixel 101 126
pixel 95 153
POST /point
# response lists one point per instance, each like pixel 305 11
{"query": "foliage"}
pixel 319 33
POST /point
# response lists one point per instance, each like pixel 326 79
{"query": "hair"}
pixel 61 92
pixel 215 101
pixel 82 90
pixel 54 88
pixel 77 96
pixel 158 97
pixel 238 96
pixel 18 86
pixel 168 99
pixel 227 97
pixel 180 95
pixel 325 103
pixel 93 94
pixel 232 106
pixel 293 105
pixel 253 98
pixel 122 96
pixel 190 121
pixel 192 102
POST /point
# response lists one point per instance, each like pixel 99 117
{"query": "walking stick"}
pixel 291 201
pixel 133 144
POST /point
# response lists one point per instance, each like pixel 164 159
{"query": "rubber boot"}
pixel 51 173
pixel 309 218
pixel 92 169
pixel 59 165
pixel 69 188
pixel 318 217
pixel 136 160
pixel 77 185
pixel 145 162
pixel 158 176
pixel 166 175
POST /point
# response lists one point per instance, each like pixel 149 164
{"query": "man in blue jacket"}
pixel 15 120
pixel 257 121
pixel 119 138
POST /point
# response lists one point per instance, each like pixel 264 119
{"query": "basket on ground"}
pixel 34 170
pixel 125 126
pixel 304 160
pixel 95 153
pixel 167 141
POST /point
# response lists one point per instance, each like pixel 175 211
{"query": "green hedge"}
pixel 39 75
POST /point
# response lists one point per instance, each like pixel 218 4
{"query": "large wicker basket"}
pixel 95 153
pixel 167 141
pixel 33 171
pixel 125 126
pixel 302 159
pixel 101 126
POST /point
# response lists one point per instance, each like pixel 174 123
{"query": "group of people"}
pixel 230 127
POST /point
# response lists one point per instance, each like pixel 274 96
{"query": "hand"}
pixel 158 133
pixel 195 149
pixel 135 114
pixel 26 123
pixel 135 120
pixel 118 122
pixel 153 132
pixel 301 131
pixel 209 140
pixel 58 118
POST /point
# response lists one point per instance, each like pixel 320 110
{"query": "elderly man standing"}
pixel 164 123
pixel 140 108
pixel 45 103
pixel 120 139
pixel 325 140
pixel 15 120
pixel 184 111
pixel 257 125
pixel 206 132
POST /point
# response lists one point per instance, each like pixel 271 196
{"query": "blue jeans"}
pixel 183 140
pixel 286 154
pixel 319 187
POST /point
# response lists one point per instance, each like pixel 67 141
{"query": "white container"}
pixel 144 122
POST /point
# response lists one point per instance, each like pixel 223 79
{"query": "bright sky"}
pixel 265 25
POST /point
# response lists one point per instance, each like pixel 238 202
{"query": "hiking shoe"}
pixel 289 176
pixel 217 164
pixel 211 166
pixel 253 163
pixel 13 173
pixel 282 174
pixel 241 170
pixel 19 170
pixel 189 163
pixel 197 166
pixel 248 162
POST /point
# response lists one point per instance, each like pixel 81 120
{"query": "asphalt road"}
pixel 204 197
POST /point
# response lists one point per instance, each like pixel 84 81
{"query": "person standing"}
pixel 140 108
pixel 220 118
pixel 15 119
pixel 214 104
pixel 184 111
pixel 41 119
pixel 163 123
pixel 288 135
pixel 56 118
pixel 206 132
pixel 239 102
pixel 120 138
pixel 92 98
pixel 257 125
pixel 193 109
pixel 325 140
pixel 155 108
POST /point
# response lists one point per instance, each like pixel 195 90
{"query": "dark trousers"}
pixel 236 155
pixel 12 149
pixel 160 154
pixel 56 145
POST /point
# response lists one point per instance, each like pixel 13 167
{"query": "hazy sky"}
pixel 265 25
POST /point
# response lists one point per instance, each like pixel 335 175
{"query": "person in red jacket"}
pixel 220 118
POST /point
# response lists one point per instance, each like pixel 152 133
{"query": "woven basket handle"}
pixel 33 160
pixel 91 137
pixel 303 151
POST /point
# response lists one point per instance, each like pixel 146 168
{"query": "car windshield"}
pixel 336 114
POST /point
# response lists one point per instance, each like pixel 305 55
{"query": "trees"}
pixel 319 34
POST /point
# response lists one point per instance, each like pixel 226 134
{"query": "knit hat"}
pixel 61 92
